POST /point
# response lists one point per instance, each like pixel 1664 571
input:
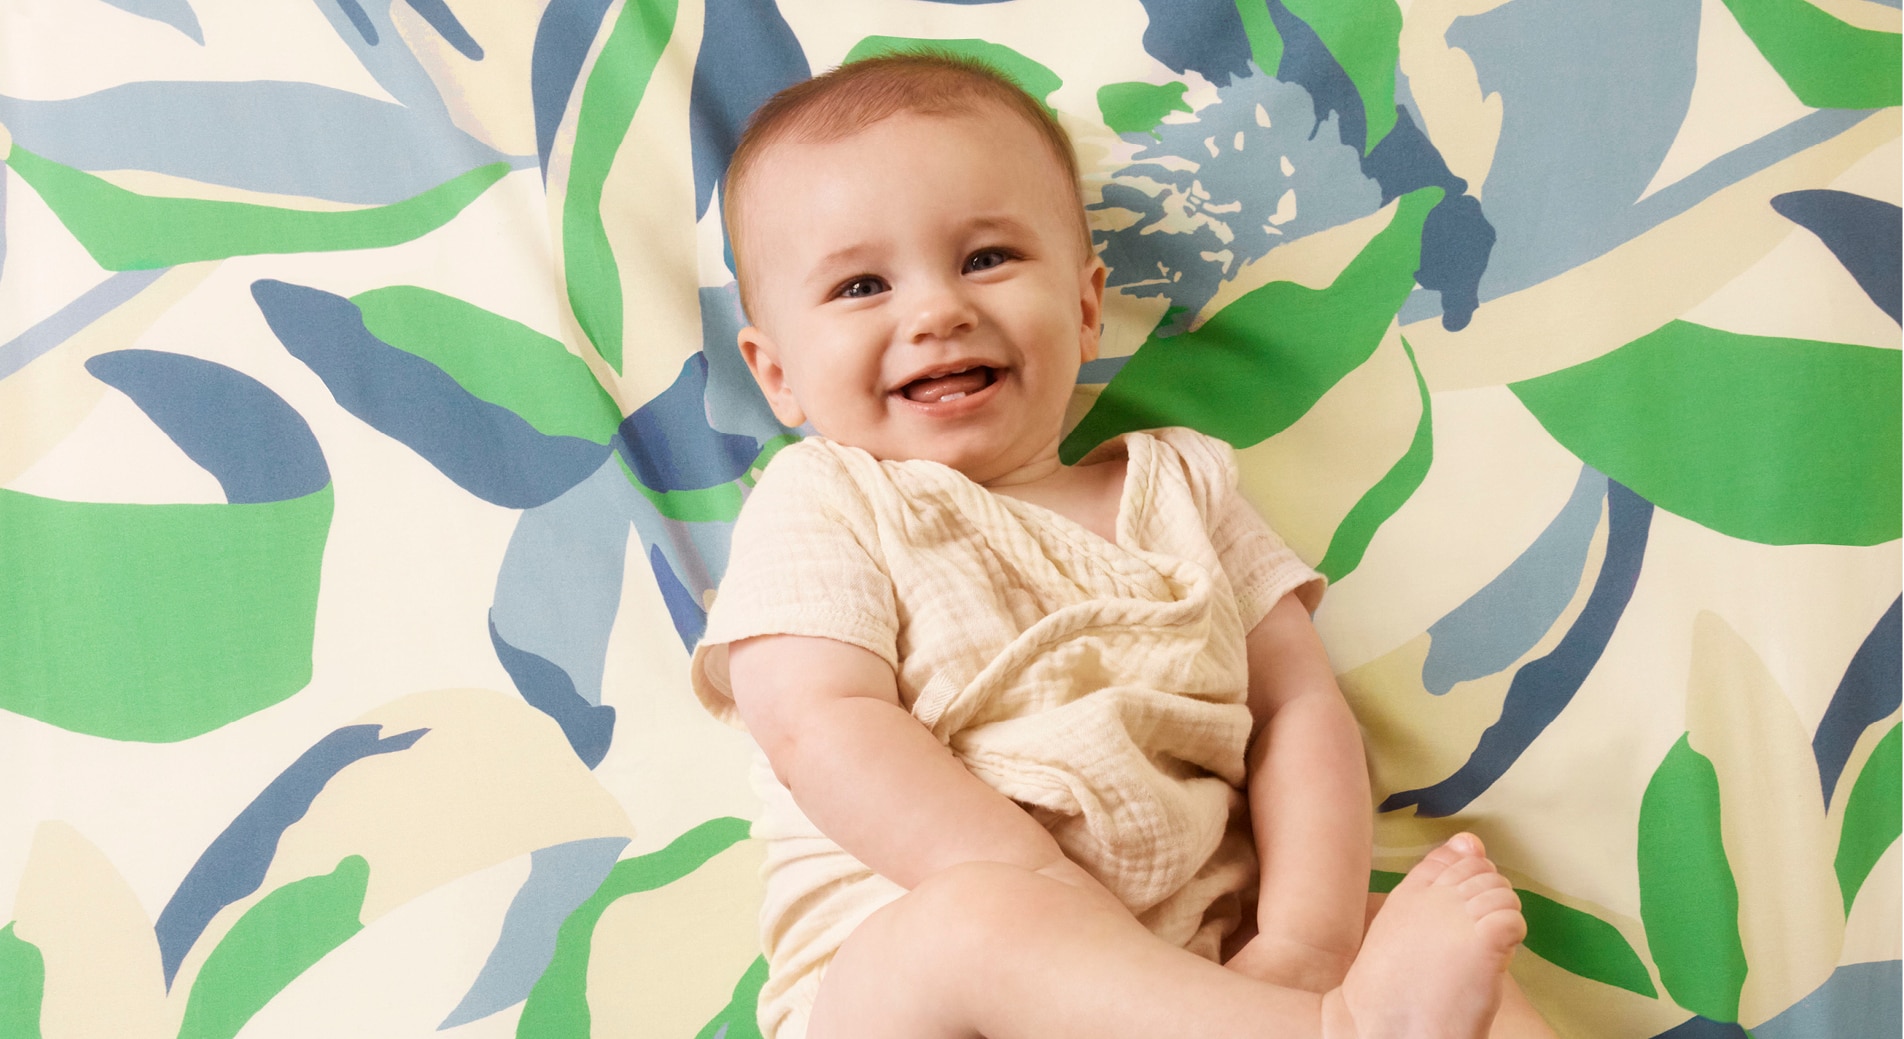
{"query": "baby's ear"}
pixel 1091 297
pixel 763 359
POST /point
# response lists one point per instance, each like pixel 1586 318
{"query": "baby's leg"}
pixel 991 950
pixel 996 951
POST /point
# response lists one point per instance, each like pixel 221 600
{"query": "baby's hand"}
pixel 1288 963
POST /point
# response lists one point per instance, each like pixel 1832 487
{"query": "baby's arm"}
pixel 1309 808
pixel 869 775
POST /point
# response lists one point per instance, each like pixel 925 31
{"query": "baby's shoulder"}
pixel 811 481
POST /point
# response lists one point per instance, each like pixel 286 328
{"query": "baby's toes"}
pixel 1461 850
pixel 1496 911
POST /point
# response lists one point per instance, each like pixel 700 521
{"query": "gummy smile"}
pixel 948 383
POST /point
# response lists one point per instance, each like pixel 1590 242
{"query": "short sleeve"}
pixel 803 561
pixel 1261 567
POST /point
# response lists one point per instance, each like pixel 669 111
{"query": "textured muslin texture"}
pixel 1101 685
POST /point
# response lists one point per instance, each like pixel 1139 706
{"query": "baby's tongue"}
pixel 947 387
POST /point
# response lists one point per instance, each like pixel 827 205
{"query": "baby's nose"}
pixel 939 310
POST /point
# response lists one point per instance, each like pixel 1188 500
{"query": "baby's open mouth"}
pixel 938 389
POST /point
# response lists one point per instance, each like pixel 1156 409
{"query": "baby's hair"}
pixel 852 97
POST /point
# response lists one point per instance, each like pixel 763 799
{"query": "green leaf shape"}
pixel 1266 44
pixel 1689 902
pixel 1779 441
pixel 740 1019
pixel 1365 36
pixel 1351 538
pixel 1873 817
pixel 127 231
pixel 717 504
pixel 156 623
pixel 277 939
pixel 22 982
pixel 557 1007
pixel 1383 881
pixel 1583 944
pixel 614 89
pixel 1259 364
pixel 495 358
pixel 1032 77
pixel 1139 107
pixel 1826 62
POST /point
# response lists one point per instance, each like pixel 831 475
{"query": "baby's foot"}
pixel 1431 965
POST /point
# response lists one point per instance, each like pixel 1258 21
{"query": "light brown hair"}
pixel 850 98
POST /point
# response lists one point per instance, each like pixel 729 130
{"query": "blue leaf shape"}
pixel 297 139
pixel 176 13
pixel 1201 36
pixel 257 446
pixel 1594 96
pixel 1865 234
pixel 670 445
pixel 487 450
pixel 234 864
pixel 563 37
pixel 559 586
pixel 56 328
pixel 1504 619
pixel 1859 999
pixel 1307 63
pixel 748 54
pixel 1457 239
pixel 690 621
pixel 1542 688
pixel 448 26
pixel 395 68
pixel 1868 692
pixel 561 878
pixel 589 728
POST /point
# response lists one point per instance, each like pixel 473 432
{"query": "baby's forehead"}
pixel 783 153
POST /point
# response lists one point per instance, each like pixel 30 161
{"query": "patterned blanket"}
pixel 371 431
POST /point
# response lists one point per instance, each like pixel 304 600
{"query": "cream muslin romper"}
pixel 1102 686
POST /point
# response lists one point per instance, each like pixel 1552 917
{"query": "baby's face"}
pixel 921 290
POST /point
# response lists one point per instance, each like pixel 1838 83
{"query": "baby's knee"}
pixel 974 909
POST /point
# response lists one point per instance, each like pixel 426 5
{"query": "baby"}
pixel 1029 728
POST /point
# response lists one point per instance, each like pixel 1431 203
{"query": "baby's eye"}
pixel 861 287
pixel 986 259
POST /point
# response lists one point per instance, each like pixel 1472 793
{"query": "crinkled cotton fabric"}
pixel 1100 685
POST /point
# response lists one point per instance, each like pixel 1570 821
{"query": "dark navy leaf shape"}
pixel 1201 36
pixel 1865 234
pixel 1869 692
pixel 234 864
pixel 563 37
pixel 257 447
pixel 670 445
pixel 1542 688
pixel 486 449
pixel 590 728
pixel 748 54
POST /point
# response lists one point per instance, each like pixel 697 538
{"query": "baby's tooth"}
pixel 951 396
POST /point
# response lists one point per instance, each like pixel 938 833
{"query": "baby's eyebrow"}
pixel 1001 223
pixel 832 265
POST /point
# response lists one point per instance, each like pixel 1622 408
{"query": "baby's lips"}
pixel 947 387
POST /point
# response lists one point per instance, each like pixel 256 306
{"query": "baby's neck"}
pixel 1089 495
